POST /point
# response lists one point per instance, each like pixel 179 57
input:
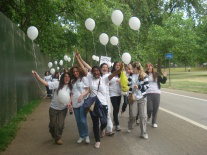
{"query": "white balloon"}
pixel 52 70
pixel 94 57
pixel 63 96
pixel 114 40
pixel 109 64
pixel 61 62
pixel 69 59
pixel 104 39
pixel 58 68
pixel 66 58
pixel 126 58
pixel 134 23
pixel 97 58
pixel 32 32
pixel 112 64
pixel 90 24
pixel 55 62
pixel 117 17
pixel 50 64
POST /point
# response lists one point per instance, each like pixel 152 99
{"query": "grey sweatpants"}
pixel 153 103
pixel 139 106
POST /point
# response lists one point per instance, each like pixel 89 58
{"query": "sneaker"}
pixel 144 136
pixel 137 121
pixel 148 120
pixel 128 130
pixel 58 142
pixel 117 128
pixel 110 133
pixel 80 140
pixel 87 140
pixel 154 125
pixel 97 145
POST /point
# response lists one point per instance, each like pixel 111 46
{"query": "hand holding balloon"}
pixel 35 74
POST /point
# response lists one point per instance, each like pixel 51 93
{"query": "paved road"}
pixel 174 136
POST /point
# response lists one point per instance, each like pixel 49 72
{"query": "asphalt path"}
pixel 174 135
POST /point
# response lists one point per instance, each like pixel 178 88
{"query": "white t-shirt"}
pixel 60 101
pixel 48 78
pixel 135 81
pixel 115 87
pixel 93 84
pixel 79 87
pixel 153 87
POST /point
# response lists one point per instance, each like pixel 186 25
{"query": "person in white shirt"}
pixel 138 82
pixel 48 78
pixel 115 95
pixel 153 93
pixel 98 84
pixel 59 104
pixel 80 91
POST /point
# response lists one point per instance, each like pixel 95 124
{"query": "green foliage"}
pixel 164 28
pixel 8 132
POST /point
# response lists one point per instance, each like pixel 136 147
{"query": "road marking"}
pixel 185 96
pixel 184 118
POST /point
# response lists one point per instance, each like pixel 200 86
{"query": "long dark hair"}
pixel 103 65
pixel 113 68
pixel 46 73
pixel 61 83
pixel 73 78
pixel 96 67
pixel 154 74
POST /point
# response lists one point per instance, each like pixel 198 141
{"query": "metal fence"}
pixel 17 85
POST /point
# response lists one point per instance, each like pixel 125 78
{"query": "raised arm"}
pixel 115 73
pixel 81 64
pixel 85 64
pixel 39 78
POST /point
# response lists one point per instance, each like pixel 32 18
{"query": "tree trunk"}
pixel 159 65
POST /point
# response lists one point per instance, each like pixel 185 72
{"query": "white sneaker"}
pixel 87 140
pixel 154 125
pixel 80 140
pixel 144 136
pixel 97 145
pixel 117 128
pixel 148 120
pixel 128 130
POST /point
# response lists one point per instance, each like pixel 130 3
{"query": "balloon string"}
pixel 73 58
pixel 119 51
pixel 137 38
pixel 93 42
pixel 105 50
pixel 117 32
pixel 34 55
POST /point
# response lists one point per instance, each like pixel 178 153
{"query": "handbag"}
pixel 132 98
pixel 90 102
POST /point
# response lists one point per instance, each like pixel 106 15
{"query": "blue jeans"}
pixel 81 119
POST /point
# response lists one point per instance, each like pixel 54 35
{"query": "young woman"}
pixel 56 77
pixel 104 69
pixel 48 78
pixel 153 93
pixel 79 93
pixel 115 95
pixel 58 107
pixel 128 71
pixel 97 84
pixel 138 85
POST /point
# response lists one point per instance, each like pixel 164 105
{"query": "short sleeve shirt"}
pixel 79 87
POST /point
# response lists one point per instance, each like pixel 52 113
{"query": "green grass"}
pixel 8 132
pixel 195 81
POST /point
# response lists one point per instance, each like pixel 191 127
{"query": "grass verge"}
pixel 8 132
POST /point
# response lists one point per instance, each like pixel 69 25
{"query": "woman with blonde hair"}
pixel 138 82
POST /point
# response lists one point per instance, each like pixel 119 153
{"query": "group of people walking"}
pixel 83 81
